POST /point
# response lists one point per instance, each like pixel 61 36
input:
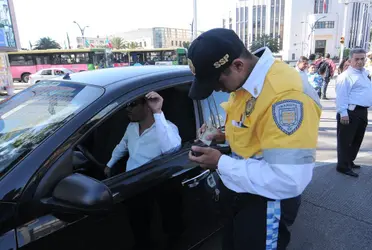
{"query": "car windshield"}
pixel 31 116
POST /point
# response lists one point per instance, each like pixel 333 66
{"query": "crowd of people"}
pixel 353 98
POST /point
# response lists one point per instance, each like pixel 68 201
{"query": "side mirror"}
pixel 80 194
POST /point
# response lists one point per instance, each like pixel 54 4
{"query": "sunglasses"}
pixel 133 104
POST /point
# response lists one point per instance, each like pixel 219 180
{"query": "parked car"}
pixel 55 138
pixel 48 73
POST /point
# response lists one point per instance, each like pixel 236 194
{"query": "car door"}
pixel 171 200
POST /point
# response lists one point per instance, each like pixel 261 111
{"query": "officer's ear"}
pixel 238 65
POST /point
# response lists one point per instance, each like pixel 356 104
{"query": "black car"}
pixel 55 137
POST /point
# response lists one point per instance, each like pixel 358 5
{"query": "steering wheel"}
pixel 90 157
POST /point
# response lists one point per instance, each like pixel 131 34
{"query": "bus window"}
pixel 170 55
pixel 82 58
pixel 67 58
pixel 42 59
pixel 56 59
pixel 17 60
pixel 182 59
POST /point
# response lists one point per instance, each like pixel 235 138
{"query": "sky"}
pixel 40 18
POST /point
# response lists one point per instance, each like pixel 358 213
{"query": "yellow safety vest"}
pixel 285 115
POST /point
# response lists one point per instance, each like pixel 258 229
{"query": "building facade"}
pixel 157 37
pixel 302 27
pixel 95 41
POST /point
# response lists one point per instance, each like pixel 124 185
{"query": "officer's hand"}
pixel 344 120
pixel 209 158
pixel 218 137
pixel 107 171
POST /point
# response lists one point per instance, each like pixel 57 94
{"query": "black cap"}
pixel 208 56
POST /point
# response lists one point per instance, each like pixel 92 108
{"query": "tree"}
pixel 132 45
pixel 118 43
pixel 46 43
pixel 186 45
pixel 265 41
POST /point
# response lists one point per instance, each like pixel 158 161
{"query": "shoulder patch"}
pixel 288 115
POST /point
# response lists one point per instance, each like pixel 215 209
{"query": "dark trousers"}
pixel 325 86
pixel 254 227
pixel 318 91
pixel 350 137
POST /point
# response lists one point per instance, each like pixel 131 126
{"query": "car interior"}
pixel 93 153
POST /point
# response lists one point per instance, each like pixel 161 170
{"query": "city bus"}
pixel 159 56
pixel 26 62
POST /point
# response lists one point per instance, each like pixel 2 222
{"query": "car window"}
pixel 213 113
pixel 117 143
pixel 37 112
pixel 47 72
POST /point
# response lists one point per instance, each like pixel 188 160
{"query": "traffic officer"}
pixel 272 120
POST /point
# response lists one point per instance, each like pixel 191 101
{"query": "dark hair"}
pixel 246 54
pixel 313 64
pixel 327 55
pixel 322 70
pixel 312 57
pixel 318 56
pixel 303 59
pixel 341 66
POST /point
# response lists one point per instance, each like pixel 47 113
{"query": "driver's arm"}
pixel 120 150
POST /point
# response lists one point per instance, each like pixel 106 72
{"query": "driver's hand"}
pixel 107 171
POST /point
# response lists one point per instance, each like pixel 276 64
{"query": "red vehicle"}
pixel 25 63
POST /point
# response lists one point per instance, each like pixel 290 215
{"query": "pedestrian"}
pixel 329 67
pixel 316 78
pixel 345 63
pixel 301 67
pixel 353 98
pixel 272 128
pixel 311 58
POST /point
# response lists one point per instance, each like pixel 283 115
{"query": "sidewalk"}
pixel 336 209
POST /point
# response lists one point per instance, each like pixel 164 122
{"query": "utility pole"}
pixel 82 32
pixel 312 28
pixel 195 26
pixel 344 31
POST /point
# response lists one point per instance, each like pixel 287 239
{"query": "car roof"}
pixel 105 77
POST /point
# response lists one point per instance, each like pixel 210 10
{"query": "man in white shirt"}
pixel 301 67
pixel 148 136
pixel 354 97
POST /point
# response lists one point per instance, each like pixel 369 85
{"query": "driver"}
pixel 147 136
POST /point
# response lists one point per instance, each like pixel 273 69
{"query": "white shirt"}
pixel 261 176
pixel 353 88
pixel 161 138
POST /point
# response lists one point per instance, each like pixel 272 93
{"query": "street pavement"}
pixel 336 209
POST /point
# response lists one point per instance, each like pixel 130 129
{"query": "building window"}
pixel 144 43
pixel 293 56
pixel 224 23
pixel 254 22
pixel 321 6
pixel 325 25
pixel 241 14
pixel 281 33
pixel 272 19
pixel 230 23
pixel 263 19
pixel 237 20
pixel 172 43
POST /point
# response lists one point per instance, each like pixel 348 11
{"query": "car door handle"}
pixel 193 182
